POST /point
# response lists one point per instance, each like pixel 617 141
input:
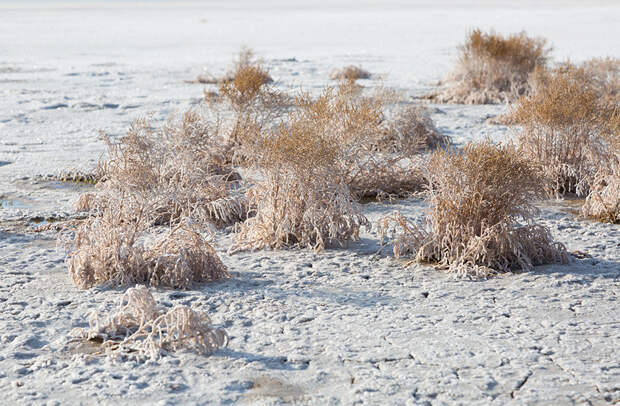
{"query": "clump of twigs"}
pixel 301 199
pixel 480 219
pixel 179 170
pixel 253 103
pixel 141 329
pixel 116 247
pixel 603 201
pixel 493 68
pixel 245 59
pixel 349 73
pixel 568 124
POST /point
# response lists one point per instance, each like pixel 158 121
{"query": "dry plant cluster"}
pixel 570 127
pixel 493 68
pixel 481 214
pixel 309 162
pixel 141 329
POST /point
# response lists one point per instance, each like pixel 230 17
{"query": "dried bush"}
pixel 245 58
pixel 349 73
pixel 141 329
pixel 600 74
pixel 567 127
pixel 115 247
pixel 253 103
pixel 493 68
pixel 480 218
pixel 413 130
pixel 603 201
pixel 178 170
pixel 301 200
pixel 376 158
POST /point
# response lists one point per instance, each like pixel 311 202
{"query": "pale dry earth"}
pixel 346 326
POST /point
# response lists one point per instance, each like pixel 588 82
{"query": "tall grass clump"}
pixel 117 247
pixel 301 199
pixel 493 68
pixel 568 125
pixel 603 201
pixel 253 103
pixel 141 329
pixel 377 157
pixel 480 218
pixel 178 170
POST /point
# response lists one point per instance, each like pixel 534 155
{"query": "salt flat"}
pixel 345 326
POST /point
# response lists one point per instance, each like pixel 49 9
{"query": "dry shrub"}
pixel 568 126
pixel 349 73
pixel 493 68
pixel 301 200
pixel 142 329
pixel 254 104
pixel 480 218
pixel 601 75
pixel 603 201
pixel 245 59
pixel 329 152
pixel 413 129
pixel 115 247
pixel 179 170
pixel 376 158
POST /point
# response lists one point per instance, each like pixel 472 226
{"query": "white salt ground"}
pixel 342 327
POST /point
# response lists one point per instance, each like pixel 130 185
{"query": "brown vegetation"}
pixel 493 68
pixel 349 73
pixel 142 329
pixel 569 122
pixel 480 219
pixel 179 170
pixel 116 247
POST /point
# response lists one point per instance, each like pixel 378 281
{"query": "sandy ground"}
pixel 346 326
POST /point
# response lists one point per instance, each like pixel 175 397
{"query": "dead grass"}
pixel 480 218
pixel 349 73
pixel 301 200
pixel 179 170
pixel 568 126
pixel 141 329
pixel 329 152
pixel 115 247
pixel 493 68
pixel 253 103
pixel 246 58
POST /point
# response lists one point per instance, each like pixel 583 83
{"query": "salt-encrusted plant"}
pixel 178 170
pixel 493 68
pixel 116 247
pixel 603 201
pixel 349 73
pixel 480 217
pixel 253 103
pixel 376 156
pixel 301 199
pixel 568 124
pixel 141 329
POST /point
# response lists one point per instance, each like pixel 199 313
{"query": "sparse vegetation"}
pixel 349 73
pixel 141 329
pixel 493 68
pixel 117 248
pixel 301 199
pixel 179 170
pixel 480 219
pixel 568 126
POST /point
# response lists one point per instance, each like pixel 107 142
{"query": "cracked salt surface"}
pixel 345 326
